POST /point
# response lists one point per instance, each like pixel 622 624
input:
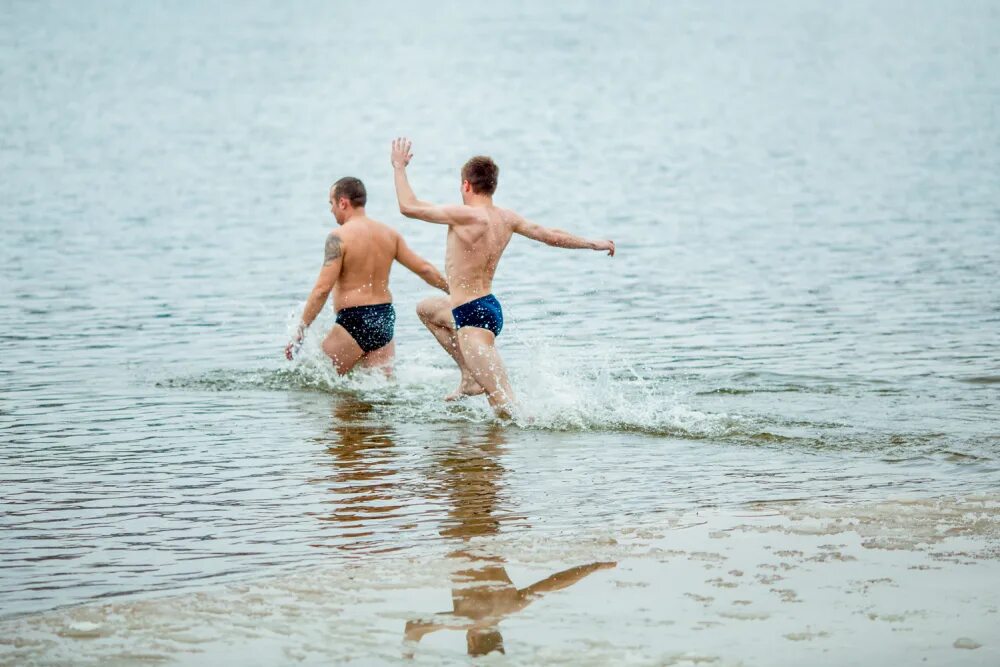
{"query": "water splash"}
pixel 560 390
pixel 565 389
pixel 557 389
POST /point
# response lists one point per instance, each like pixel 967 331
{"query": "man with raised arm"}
pixel 467 324
pixel 356 265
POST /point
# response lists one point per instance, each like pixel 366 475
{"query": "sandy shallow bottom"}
pixel 907 581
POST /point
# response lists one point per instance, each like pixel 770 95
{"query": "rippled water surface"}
pixel 804 306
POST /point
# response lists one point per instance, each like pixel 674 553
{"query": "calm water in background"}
pixel 805 200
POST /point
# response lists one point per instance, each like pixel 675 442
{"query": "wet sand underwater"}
pixel 770 583
pixel 451 548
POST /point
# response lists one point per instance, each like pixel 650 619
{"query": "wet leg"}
pixel 381 358
pixel 486 367
pixel 435 313
pixel 342 349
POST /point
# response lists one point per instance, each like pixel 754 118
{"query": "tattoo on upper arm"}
pixel 333 249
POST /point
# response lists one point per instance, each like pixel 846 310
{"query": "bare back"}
pixel 474 250
pixel 369 248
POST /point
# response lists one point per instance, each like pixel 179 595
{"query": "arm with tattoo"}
pixel 333 253
pixel 333 249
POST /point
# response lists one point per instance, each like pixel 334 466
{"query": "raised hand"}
pixel 401 154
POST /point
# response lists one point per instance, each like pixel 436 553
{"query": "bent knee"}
pixel 425 309
pixel 434 309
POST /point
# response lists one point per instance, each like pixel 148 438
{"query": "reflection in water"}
pixel 483 593
pixel 364 476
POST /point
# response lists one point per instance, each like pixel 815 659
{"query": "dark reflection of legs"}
pixel 483 593
pixel 362 455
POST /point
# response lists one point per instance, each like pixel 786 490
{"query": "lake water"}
pixel 803 320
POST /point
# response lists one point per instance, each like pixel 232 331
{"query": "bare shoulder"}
pixel 385 236
pixel 464 213
pixel 390 235
pixel 511 218
pixel 338 235
pixel 381 227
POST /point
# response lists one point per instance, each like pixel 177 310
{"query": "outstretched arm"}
pixel 409 205
pixel 332 261
pixel 419 265
pixel 558 238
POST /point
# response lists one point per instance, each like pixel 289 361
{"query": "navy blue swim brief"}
pixel 484 312
pixel 371 327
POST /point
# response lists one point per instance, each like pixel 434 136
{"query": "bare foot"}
pixel 467 387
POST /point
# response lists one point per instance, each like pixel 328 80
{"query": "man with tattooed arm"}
pixel 356 264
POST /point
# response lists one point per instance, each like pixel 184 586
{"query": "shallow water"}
pixel 804 307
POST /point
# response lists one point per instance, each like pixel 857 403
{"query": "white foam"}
pixel 557 388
